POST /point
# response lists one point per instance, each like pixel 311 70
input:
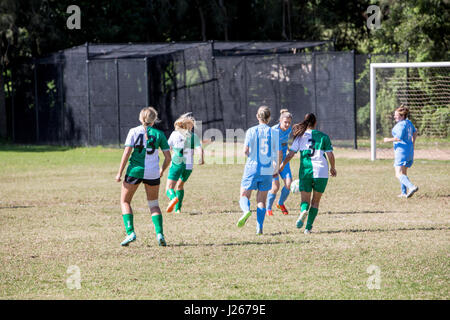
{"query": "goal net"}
pixel 422 87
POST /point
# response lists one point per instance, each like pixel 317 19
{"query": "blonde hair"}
pixel 403 111
pixel 263 114
pixel 185 121
pixel 148 116
pixel 284 113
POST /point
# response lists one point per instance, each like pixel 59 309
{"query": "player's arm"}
pixel 166 163
pixel 202 155
pixel 123 162
pixel 288 158
pixel 414 137
pixel 391 139
pixel 330 156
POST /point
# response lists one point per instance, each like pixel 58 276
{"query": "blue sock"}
pixel 244 202
pixel 283 196
pixel 270 199
pixel 404 180
pixel 260 215
pixel 404 189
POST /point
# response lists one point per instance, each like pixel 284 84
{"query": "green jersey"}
pixel 183 147
pixel 312 146
pixel 144 160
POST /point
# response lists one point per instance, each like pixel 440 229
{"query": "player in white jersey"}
pixel 261 146
pixel 142 144
pixel 183 142
pixel 313 174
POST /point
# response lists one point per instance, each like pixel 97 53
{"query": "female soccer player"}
pixel 404 138
pixel 183 143
pixel 284 130
pixel 313 173
pixel 261 148
pixel 142 144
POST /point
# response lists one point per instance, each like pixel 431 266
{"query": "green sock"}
pixel 128 222
pixel 180 196
pixel 311 216
pixel 170 194
pixel 158 223
pixel 304 206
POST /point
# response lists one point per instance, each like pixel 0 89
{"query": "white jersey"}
pixel 144 160
pixel 312 146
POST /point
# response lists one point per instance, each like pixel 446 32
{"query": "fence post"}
pixel 61 95
pixel 36 100
pixel 355 123
pixel 117 100
pixel 88 95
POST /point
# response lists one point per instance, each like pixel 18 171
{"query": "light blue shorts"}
pixel 286 173
pixel 403 163
pixel 254 181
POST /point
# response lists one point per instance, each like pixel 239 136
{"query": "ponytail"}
pixel 299 129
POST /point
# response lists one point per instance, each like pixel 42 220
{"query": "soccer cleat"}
pixel 129 238
pixel 259 230
pixel 402 195
pixel 178 211
pixel 172 204
pixel 307 231
pixel 301 218
pixel 243 219
pixel 283 209
pixel 269 213
pixel 161 240
pixel 412 191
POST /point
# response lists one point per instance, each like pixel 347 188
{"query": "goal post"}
pixel 373 91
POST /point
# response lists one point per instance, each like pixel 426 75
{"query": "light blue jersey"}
pixel 403 149
pixel 263 143
pixel 284 139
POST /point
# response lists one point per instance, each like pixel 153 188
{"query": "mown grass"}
pixel 60 207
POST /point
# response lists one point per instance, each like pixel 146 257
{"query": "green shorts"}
pixel 316 184
pixel 179 171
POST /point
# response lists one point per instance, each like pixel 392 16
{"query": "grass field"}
pixel 59 207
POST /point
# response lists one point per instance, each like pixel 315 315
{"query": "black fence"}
pixel 92 94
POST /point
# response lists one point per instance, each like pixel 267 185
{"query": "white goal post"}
pixel 373 92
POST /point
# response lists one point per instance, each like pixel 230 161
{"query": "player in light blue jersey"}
pixel 262 151
pixel 404 137
pixel 284 130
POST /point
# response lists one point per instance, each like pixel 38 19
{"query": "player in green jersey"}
pixel 142 144
pixel 313 173
pixel 183 142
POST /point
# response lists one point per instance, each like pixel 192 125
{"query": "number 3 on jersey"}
pixel 150 144
pixel 312 147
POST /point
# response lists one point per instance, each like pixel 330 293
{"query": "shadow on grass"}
pixel 238 243
pixel 6 147
pixel 382 230
pixel 195 213
pixel 360 212
pixel 16 207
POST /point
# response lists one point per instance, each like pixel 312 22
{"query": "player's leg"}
pixel 305 187
pixel 172 178
pixel 180 189
pixel 319 186
pixel 286 190
pixel 126 195
pixel 272 194
pixel 244 203
pixel 152 191
pixel 261 198
pixel 401 174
